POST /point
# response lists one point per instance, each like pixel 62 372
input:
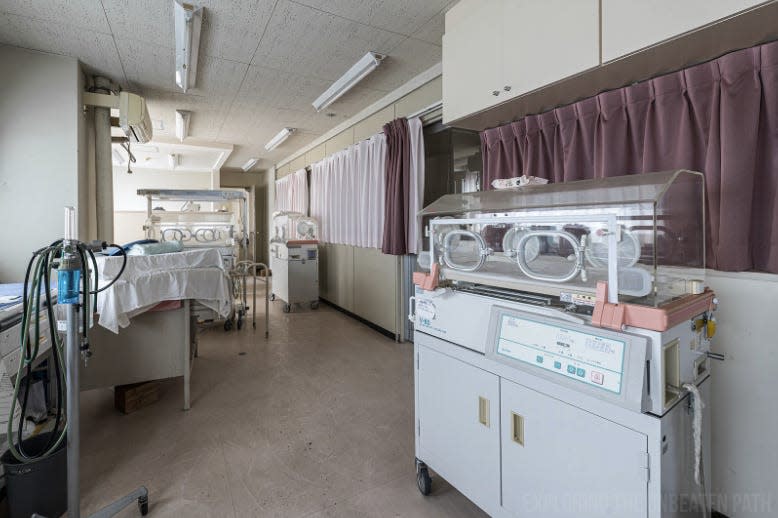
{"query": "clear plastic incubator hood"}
pixel 643 234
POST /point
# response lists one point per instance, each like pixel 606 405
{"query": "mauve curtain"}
pixel 398 178
pixel 719 118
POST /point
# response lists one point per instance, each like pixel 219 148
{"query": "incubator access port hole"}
pixel 672 373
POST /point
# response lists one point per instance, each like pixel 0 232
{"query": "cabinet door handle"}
pixel 483 411
pixel 517 428
pixel 495 93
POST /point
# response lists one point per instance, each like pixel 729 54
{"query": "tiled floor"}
pixel 317 421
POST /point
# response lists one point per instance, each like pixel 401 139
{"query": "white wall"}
pixel 744 400
pixel 130 209
pixel 39 153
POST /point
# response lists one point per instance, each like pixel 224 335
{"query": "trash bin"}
pixel 39 486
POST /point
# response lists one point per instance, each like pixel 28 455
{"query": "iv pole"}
pixel 72 353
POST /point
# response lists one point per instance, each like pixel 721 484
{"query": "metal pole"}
pixel 103 164
pixel 72 400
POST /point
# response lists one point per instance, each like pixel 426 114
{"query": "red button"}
pixel 598 377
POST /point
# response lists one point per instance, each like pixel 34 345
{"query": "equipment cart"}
pixel 294 259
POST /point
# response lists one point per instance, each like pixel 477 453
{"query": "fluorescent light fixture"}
pixel 280 137
pixel 182 124
pixel 188 21
pixel 174 160
pixel 249 164
pixel 355 74
pixel 118 158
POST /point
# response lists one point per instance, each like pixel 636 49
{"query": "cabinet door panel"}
pixel 471 58
pixel 560 461
pixel 458 416
pixel 630 25
pixel 546 41
pixel 375 287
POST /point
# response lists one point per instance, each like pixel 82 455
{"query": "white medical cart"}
pixel 294 260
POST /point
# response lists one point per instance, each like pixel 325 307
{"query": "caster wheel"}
pixel 272 296
pixel 424 481
pixel 287 308
pixel 315 304
pixel 143 505
pixel 227 325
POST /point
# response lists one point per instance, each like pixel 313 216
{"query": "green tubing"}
pixel 42 260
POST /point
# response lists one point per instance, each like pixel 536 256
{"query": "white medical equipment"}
pixel 554 336
pixel 216 219
pixel 294 259
pixel 75 266
pixel 206 219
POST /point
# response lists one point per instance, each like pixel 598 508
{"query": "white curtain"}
pixel 347 194
pixel 416 188
pixel 292 192
pixel 283 194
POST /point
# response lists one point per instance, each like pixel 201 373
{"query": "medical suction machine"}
pixel 67 313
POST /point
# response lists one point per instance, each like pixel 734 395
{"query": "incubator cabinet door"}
pixel 458 425
pixel 561 461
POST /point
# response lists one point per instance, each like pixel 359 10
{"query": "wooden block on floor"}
pixel 129 398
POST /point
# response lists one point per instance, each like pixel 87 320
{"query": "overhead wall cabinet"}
pixel 497 50
pixel 631 25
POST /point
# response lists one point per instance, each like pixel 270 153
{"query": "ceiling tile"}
pixel 406 61
pixel 400 16
pixel 311 42
pixel 231 30
pixel 279 89
pixel 84 14
pixel 94 49
pixel 153 66
pixel 432 31
pixel 150 21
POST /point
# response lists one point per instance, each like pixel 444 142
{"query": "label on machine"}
pixel 587 358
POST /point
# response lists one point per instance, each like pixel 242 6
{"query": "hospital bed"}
pixel 146 330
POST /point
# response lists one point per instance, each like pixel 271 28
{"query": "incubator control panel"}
pixel 566 350
pixel 586 358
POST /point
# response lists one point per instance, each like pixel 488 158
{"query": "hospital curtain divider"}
pixel 398 167
pixel 292 192
pixel 719 118
pixel 347 194
pixel 417 172
pixel 404 185
pixel 283 200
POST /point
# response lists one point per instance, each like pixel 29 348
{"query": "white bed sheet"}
pixel 149 280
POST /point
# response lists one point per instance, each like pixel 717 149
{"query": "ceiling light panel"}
pixel 182 124
pixel 188 21
pixel 347 81
pixel 280 137
pixel 251 162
